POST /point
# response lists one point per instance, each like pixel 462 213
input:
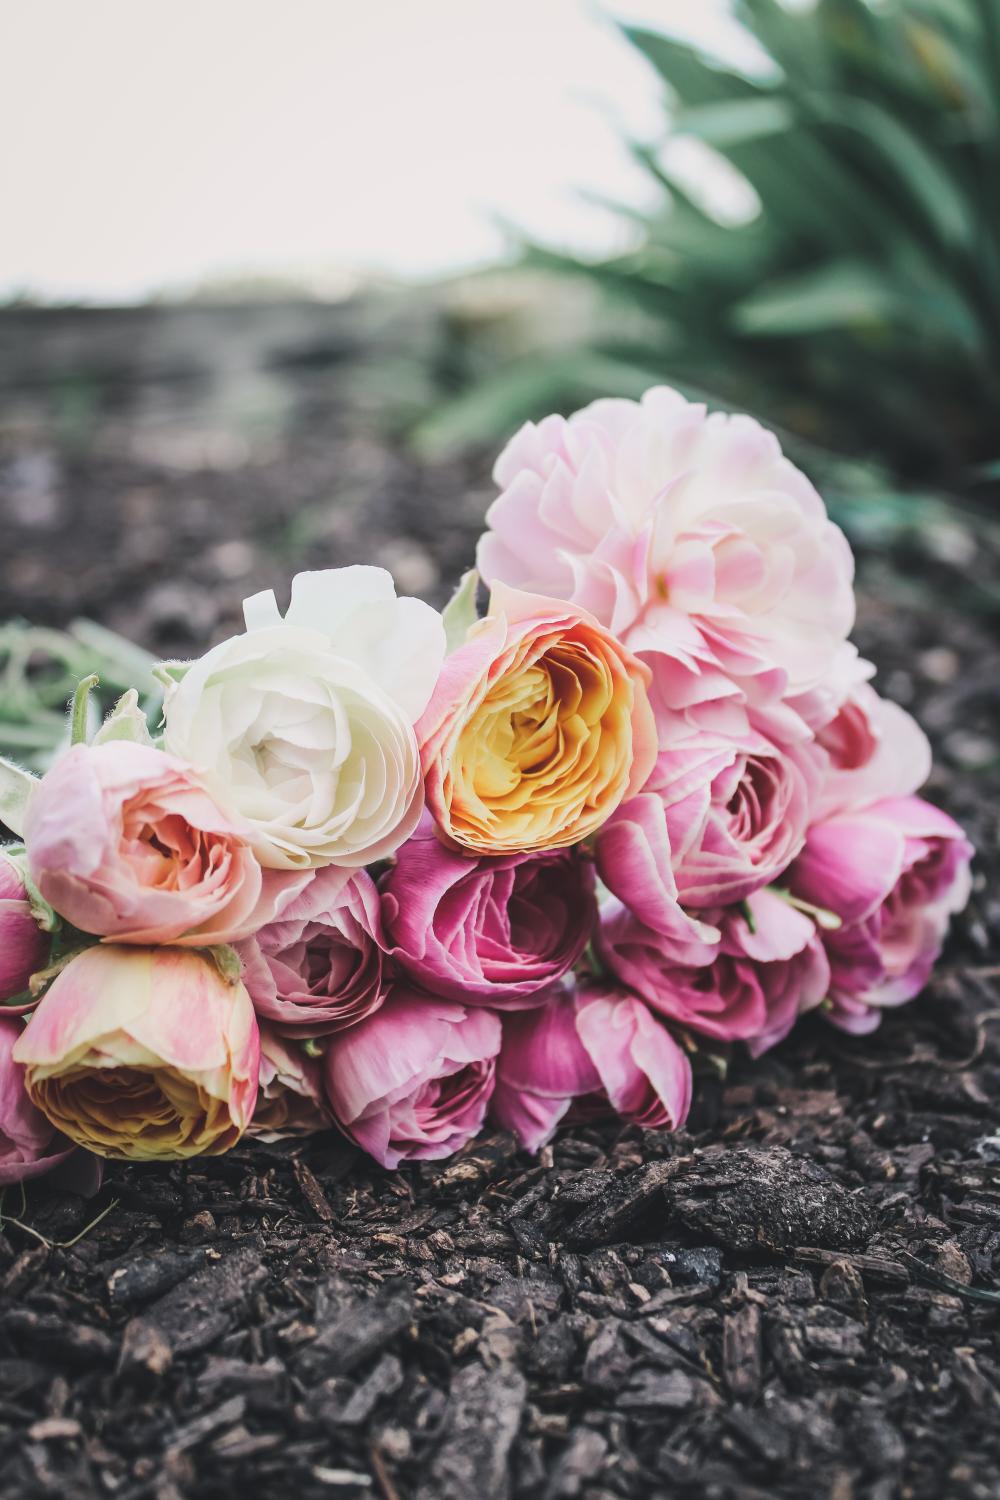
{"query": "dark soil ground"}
pixel 797 1297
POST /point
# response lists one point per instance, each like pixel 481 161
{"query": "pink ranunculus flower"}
pixel 30 1145
pixel 871 749
pixel 751 987
pixel 588 1053
pixel 894 873
pixel 724 816
pixel 318 967
pixel 143 1053
pixel 125 843
pixel 539 727
pixel 689 535
pixel 290 1098
pixel 24 947
pixel 634 861
pixel 487 931
pixel 412 1082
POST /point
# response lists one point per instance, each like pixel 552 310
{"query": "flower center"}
pixel 136 1112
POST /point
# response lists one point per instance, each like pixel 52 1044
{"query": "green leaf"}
pixel 931 185
pixel 835 296
pixel 735 120
pixel 460 613
pixel 118 658
pixel 15 789
pixel 693 78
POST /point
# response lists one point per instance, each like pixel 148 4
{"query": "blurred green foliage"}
pixel 858 309
pixel 39 672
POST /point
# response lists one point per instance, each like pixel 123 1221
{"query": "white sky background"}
pixel 155 143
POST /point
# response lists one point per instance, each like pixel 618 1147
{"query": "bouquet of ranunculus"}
pixel 398 872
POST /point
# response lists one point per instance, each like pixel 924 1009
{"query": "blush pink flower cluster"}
pixel 398 873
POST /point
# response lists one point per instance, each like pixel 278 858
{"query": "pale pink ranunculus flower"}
pixel 768 968
pixel 412 1082
pixel 318 966
pixel 584 1054
pixel 690 535
pixel 538 728
pixel 126 843
pixel 290 1097
pixel 148 1054
pixel 717 819
pixel 894 873
pixel 24 947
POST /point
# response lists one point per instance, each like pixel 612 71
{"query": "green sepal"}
pixel 227 961
pixel 125 722
pixel 42 978
pixel 170 673
pixel 79 710
pixel 460 613
pixel 15 789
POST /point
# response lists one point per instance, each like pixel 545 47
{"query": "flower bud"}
pixel 24 947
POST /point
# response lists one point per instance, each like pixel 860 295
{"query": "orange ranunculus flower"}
pixel 538 728
pixel 143 1053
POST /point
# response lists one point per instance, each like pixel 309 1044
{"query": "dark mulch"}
pixel 798 1297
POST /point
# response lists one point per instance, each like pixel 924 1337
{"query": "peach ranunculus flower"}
pixel 538 728
pixel 143 1053
pixel 125 842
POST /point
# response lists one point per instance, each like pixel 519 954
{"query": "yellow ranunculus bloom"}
pixel 538 729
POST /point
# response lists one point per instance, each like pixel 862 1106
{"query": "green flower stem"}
pixel 78 713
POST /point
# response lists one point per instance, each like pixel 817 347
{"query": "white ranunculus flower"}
pixel 304 725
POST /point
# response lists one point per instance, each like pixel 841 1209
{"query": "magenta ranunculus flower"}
pixel 894 873
pixel 318 967
pixel 124 842
pixel 718 819
pixel 487 931
pixel 751 987
pixel 290 1098
pixel 689 535
pixel 24 947
pixel 30 1145
pixel 584 1054
pixel 412 1082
